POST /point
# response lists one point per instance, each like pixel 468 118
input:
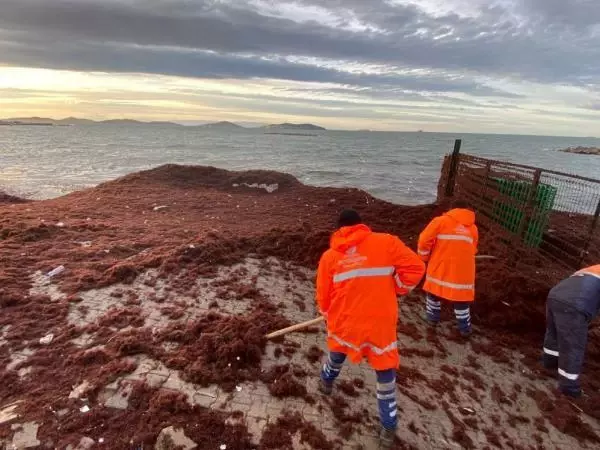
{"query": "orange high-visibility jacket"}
pixel 592 270
pixel 449 244
pixel 356 290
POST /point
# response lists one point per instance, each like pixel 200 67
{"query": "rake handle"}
pixel 298 326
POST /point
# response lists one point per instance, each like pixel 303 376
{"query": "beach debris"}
pixel 60 224
pixel 84 409
pixel 84 243
pixel 507 304
pixel 238 388
pixel 56 271
pixel 84 444
pixel 101 440
pixel 223 447
pixel 47 339
pixel 466 411
pixel 78 391
pixel 158 208
pixel 24 371
pixel 25 435
pixel 7 413
pixel 270 188
pixel 174 438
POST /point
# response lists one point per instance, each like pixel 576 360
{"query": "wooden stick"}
pixel 576 407
pixel 298 326
pixel 485 257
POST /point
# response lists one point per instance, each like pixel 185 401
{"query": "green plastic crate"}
pixel 511 215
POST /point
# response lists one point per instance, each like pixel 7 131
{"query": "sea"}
pixel 41 162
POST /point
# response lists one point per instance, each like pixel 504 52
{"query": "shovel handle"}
pixel 298 326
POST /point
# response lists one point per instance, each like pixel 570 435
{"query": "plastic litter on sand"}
pixel 56 271
pixel 47 339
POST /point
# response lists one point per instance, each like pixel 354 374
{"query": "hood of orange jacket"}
pixel 463 216
pixel 347 237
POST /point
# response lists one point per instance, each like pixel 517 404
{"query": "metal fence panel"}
pixel 531 210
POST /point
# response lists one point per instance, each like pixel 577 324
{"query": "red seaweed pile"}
pixel 186 222
pixel 224 350
pixel 278 435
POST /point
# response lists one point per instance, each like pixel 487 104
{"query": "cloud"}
pixel 204 64
pixel 465 53
pixel 501 41
pixel 573 13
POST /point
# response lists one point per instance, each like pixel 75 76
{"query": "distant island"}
pixel 294 126
pixel 70 121
pixel 222 125
pixel 582 150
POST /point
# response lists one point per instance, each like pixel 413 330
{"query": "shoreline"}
pixel 146 256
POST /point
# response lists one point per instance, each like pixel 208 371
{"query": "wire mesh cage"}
pixel 550 213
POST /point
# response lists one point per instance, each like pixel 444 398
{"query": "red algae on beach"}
pixel 187 223
pixel 278 435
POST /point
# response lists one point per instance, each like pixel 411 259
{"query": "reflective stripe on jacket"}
pixel 356 290
pixel 449 244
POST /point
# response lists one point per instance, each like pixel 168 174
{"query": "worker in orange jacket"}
pixel 572 305
pixel 449 244
pixel 357 282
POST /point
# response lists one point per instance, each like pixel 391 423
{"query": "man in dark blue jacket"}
pixel 572 304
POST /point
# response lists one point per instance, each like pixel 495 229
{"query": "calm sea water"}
pixel 45 162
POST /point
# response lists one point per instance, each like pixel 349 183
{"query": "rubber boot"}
pixel 573 392
pixel 330 371
pixel 325 388
pixel 431 323
pixel 466 333
pixel 386 438
pixel 433 308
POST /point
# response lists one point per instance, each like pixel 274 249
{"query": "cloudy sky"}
pixel 502 66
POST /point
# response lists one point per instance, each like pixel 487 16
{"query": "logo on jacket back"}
pixel 461 229
pixel 352 258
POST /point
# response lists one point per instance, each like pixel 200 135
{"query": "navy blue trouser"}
pixel 565 342
pixel 462 311
pixel 386 388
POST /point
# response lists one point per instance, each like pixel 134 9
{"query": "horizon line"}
pixel 264 125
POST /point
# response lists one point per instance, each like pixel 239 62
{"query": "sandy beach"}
pixel 152 335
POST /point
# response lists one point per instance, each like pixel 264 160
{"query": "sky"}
pixel 489 66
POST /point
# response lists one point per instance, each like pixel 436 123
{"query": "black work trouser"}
pixel 565 342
